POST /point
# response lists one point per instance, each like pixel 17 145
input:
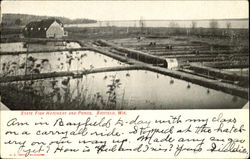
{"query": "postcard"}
pixel 124 79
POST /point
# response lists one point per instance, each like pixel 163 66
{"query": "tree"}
pixel 193 26
pixel 142 24
pixel 213 24
pixel 228 25
pixel 18 21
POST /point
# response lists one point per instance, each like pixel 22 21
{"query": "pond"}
pixel 24 46
pixel 238 71
pixel 12 47
pixel 52 45
pixel 54 61
pixel 135 89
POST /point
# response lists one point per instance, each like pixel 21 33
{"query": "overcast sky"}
pixel 131 10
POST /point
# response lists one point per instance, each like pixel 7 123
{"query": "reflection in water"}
pixel 117 90
pixel 55 61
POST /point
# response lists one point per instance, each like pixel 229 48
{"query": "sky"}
pixel 131 10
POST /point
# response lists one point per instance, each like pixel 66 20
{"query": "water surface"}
pixel 120 90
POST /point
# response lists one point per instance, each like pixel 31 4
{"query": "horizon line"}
pixel 178 19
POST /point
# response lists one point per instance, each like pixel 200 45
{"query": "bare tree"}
pixel 228 32
pixel 193 26
pixel 142 24
pixel 228 25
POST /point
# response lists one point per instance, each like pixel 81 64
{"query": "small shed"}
pixel 171 63
pixel 47 28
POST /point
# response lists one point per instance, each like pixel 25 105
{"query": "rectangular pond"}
pixel 32 46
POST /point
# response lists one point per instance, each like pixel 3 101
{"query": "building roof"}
pixel 43 24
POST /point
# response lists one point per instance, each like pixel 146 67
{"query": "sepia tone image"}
pixel 131 55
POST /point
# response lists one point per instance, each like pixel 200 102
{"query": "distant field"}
pixel 123 32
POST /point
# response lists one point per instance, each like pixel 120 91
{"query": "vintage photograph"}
pixel 124 55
